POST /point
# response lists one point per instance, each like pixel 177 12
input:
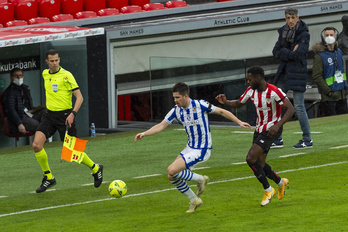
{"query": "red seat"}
pixel 3 1
pixel 48 8
pixel 94 5
pixel 39 20
pixel 85 15
pixel 1 26
pixel 71 6
pixel 153 6
pixel 6 13
pixel 16 23
pixel 108 11
pixel 62 17
pixel 26 10
pixel 118 4
pixel 174 4
pixel 131 9
pixel 140 3
pixel 6 126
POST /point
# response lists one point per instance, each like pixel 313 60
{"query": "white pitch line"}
pixel 339 147
pixel 139 177
pixel 239 163
pixel 199 168
pixel 3 196
pixel 312 132
pixel 290 155
pixel 48 190
pixel 243 132
pixel 158 191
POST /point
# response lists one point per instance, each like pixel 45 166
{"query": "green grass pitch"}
pixel 316 199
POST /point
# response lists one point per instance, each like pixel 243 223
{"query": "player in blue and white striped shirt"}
pixel 193 115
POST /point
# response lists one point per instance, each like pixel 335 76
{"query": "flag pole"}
pixel 66 132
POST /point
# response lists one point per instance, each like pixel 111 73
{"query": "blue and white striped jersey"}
pixel 195 120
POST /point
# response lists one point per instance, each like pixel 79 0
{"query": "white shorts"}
pixel 192 157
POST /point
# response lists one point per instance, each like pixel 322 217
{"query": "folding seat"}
pixel 131 9
pixel 94 5
pixel 71 6
pixel 85 14
pixel 62 17
pixel 3 1
pixel 108 11
pixel 48 8
pixel 153 6
pixel 16 23
pixel 39 20
pixel 174 4
pixel 140 3
pixel 6 13
pixel 26 10
pixel 118 4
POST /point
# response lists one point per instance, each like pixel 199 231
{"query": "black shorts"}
pixel 55 120
pixel 265 141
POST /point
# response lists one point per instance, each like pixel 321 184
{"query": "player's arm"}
pixel 153 130
pixel 223 100
pixel 228 115
pixel 290 110
pixel 79 99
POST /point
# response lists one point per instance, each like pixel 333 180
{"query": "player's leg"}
pixel 41 156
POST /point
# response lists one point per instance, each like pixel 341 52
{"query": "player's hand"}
pixel 221 98
pixel 139 136
pixel 273 130
pixel 21 128
pixel 70 119
pixel 245 125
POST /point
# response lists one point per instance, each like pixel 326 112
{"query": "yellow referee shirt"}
pixel 59 87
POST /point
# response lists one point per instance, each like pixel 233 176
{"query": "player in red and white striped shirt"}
pixel 268 100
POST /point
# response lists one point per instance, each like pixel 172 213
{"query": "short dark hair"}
pixel 51 52
pixel 181 88
pixel 291 11
pixel 256 70
pixel 15 70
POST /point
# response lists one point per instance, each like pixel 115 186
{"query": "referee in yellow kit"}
pixel 60 85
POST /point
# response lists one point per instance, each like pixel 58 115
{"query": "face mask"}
pixel 330 40
pixel 18 81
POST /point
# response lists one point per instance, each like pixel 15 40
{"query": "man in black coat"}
pixel 17 103
pixel 291 50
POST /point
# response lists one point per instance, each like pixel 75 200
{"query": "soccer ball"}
pixel 117 188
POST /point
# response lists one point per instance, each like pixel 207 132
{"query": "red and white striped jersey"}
pixel 267 104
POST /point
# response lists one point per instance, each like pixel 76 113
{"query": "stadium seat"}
pixel 48 8
pixel 6 13
pixel 26 10
pixel 39 20
pixel 1 26
pixel 85 15
pixel 71 6
pixel 118 4
pixel 3 1
pixel 174 4
pixel 153 6
pixel 16 23
pixel 108 12
pixel 131 9
pixel 94 5
pixel 62 17
pixel 140 3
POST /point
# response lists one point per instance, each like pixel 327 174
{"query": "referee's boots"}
pixel 46 184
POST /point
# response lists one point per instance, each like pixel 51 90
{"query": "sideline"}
pixel 159 191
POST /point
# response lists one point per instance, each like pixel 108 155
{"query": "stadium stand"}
pixel 71 6
pixel 174 4
pixel 140 3
pixel 118 4
pixel 25 10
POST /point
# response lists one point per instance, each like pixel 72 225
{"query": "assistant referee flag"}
pixel 73 148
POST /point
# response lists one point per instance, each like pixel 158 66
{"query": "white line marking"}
pixel 239 163
pixel 312 132
pixel 243 132
pixel 48 190
pixel 139 177
pixel 339 147
pixel 158 191
pixel 199 168
pixel 290 155
pixel 93 183
pixel 3 196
